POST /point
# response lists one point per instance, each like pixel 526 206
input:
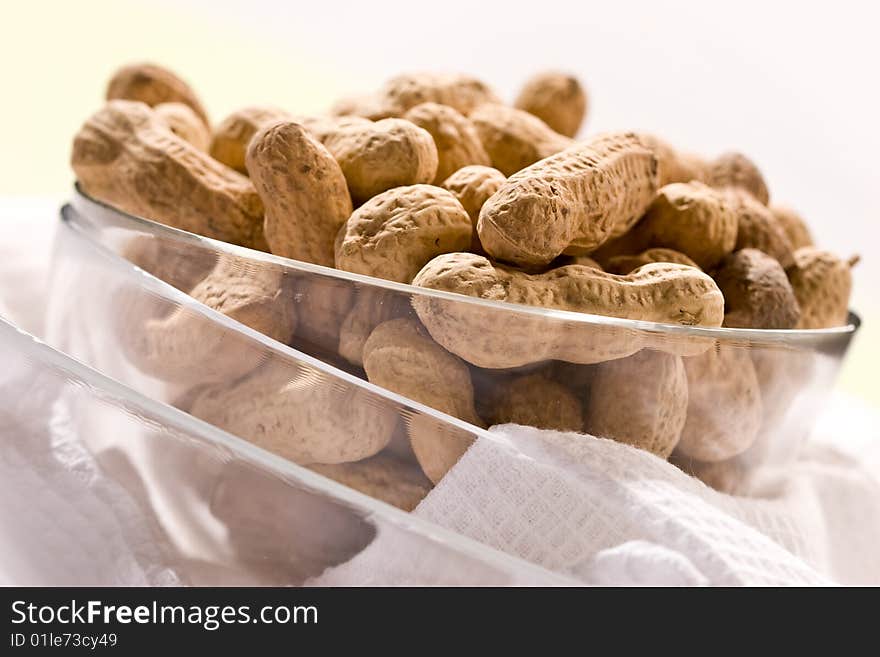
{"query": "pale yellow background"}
pixel 792 84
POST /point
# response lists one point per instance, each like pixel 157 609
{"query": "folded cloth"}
pixel 605 513
pixel 582 505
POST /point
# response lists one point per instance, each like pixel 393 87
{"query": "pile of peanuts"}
pixel 432 180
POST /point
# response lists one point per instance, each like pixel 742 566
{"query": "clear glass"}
pixel 101 485
pixel 747 398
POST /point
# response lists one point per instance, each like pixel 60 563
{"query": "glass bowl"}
pixel 121 489
pixel 742 401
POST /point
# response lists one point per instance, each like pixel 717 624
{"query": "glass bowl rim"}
pixel 792 337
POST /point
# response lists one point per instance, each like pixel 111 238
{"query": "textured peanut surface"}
pixel 667 293
pixel 177 264
pixel 232 135
pixel 584 260
pixel 576 199
pixel 394 234
pixel 640 400
pixel 757 228
pixel 558 99
pixel 371 308
pixel 672 165
pixel 735 170
pixel 472 186
pixel 458 143
pixel 384 477
pixel 125 155
pixel 536 401
pixel 626 264
pixel 793 225
pixel 153 84
pixel 185 346
pixel 724 405
pixel 756 291
pixel 379 156
pixel 461 92
pixel 400 356
pixel 514 139
pixel 299 415
pixel 690 218
pixel 822 283
pixel 321 302
pixel 185 123
pixel 304 191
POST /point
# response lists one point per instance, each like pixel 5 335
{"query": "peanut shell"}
pixel 640 400
pixel 756 291
pixel 571 202
pixel 304 191
pixel 558 99
pixel 126 155
pixel 400 356
pixel 513 138
pixel 724 405
pixel 458 143
pixel 153 84
pixel 822 283
pixel 396 233
pixel 232 136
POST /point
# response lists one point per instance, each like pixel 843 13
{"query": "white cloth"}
pixel 598 511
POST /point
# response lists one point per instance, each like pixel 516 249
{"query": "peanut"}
pixel 366 106
pixel 383 477
pixel 186 347
pixel 557 99
pixel 321 302
pixel 571 202
pixel 584 260
pixel 184 123
pixel 401 357
pixel 233 134
pixel 371 308
pixel 178 264
pixel 535 400
pixel 756 291
pixel 400 94
pixel 379 156
pixel 456 138
pixel 690 218
pixel 304 190
pixel 325 127
pixel 626 264
pixel 472 186
pixel 672 165
pixel 735 170
pixel 394 234
pixel 657 292
pixel 822 283
pixel 297 414
pixel 514 139
pixel 125 155
pixel 757 228
pixel 640 400
pixel 793 225
pixel 153 84
pixel 724 405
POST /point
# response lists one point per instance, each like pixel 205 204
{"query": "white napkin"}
pixel 605 513
pixel 593 504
